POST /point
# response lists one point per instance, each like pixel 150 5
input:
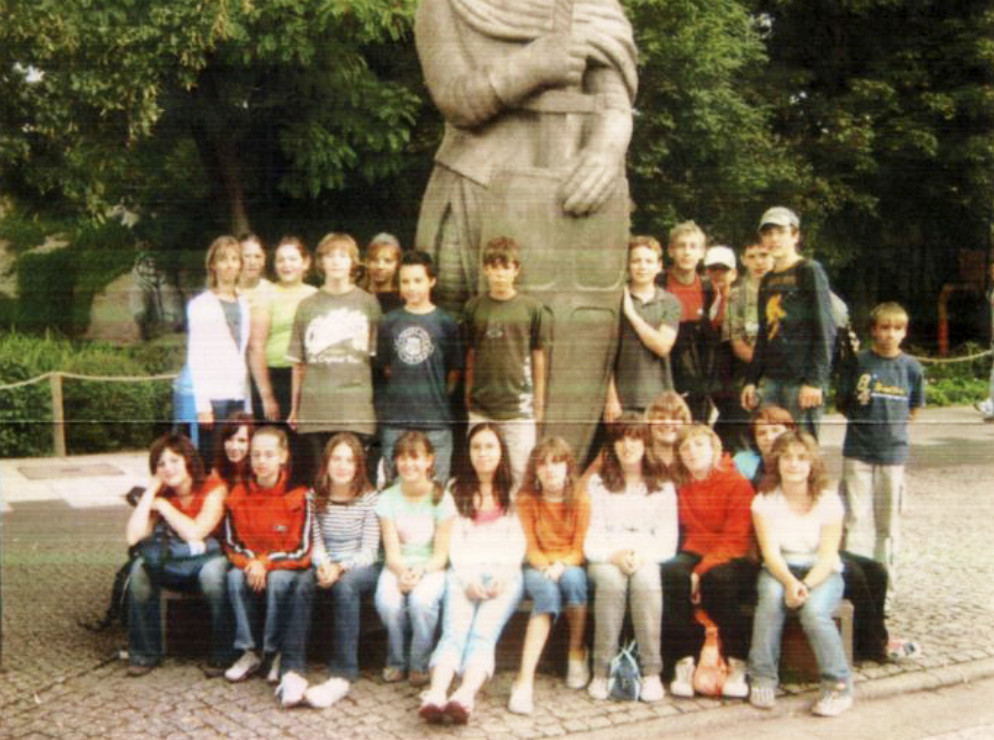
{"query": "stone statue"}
pixel 537 99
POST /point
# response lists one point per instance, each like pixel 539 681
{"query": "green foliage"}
pixel 100 416
pixel 957 383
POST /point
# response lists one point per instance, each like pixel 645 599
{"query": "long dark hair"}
pixel 630 424
pixel 413 443
pixel 182 446
pixel 466 483
pixel 233 473
pixel 360 481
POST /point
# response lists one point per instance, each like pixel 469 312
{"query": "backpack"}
pixel 845 369
pixel 624 681
pixel 712 670
pixel 120 598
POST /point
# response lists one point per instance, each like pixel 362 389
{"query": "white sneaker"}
pixel 273 677
pixel 291 690
pixel 598 688
pixel 325 694
pixel 682 684
pixel 652 689
pixel 244 667
pixel 833 701
pixel 577 673
pixel 521 701
pixel 986 409
pixel 763 697
pixel 735 684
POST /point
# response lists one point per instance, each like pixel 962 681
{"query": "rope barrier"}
pixel 950 360
pixel 97 378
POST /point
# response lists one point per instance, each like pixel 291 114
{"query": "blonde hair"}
pixel 378 243
pixel 888 311
pixel 689 432
pixel 817 477
pixel 215 251
pixel 686 227
pixel 338 240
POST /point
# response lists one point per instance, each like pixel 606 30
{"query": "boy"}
pixel 507 333
pixel 642 368
pixel 887 394
pixel 692 355
pixel 742 317
pixel 421 353
pixel 793 353
pixel 334 336
pixel 731 425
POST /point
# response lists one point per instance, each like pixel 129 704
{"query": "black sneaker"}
pixel 139 669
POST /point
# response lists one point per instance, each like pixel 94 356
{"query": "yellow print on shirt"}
pixel 774 313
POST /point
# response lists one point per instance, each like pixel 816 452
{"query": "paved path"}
pixel 62 541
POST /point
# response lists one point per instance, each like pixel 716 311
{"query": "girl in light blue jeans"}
pixel 799 526
pixel 483 586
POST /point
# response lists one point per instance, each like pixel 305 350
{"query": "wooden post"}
pixel 58 416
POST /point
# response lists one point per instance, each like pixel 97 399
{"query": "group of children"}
pixel 660 511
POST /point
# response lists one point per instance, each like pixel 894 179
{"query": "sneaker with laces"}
pixel 325 694
pixel 652 689
pixel 521 700
pixel 735 684
pixel 598 688
pixel 577 673
pixel 291 690
pixel 682 684
pixel 244 667
pixel 833 701
pixel 273 676
pixel 763 697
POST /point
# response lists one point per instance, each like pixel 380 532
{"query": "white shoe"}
pixel 577 673
pixel 735 684
pixel 598 688
pixel 291 690
pixel 325 694
pixel 682 684
pixel 763 697
pixel 244 667
pixel 652 689
pixel 521 701
pixel 833 701
pixel 273 677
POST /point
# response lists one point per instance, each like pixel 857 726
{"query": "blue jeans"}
pixel 288 597
pixel 145 616
pixel 548 597
pixel 470 629
pixel 420 608
pixel 441 440
pixel 785 394
pixel 346 600
pixel 816 619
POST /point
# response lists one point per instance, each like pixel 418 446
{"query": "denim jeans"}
pixel 642 593
pixel 548 597
pixel 441 440
pixel 145 617
pixel 785 394
pixel 287 598
pixel 816 619
pixel 346 599
pixel 417 609
pixel 470 629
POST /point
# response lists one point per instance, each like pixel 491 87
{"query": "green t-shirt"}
pixel 415 521
pixel 282 307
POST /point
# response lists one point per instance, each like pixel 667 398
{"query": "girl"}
pixel 416 518
pixel 382 263
pixel 799 527
pixel 268 541
pixel 346 546
pixel 666 416
pixel 484 583
pixel 633 530
pixel 333 338
pixel 713 569
pixel 555 515
pixel 231 459
pixel 218 325
pixel 252 281
pixel 178 499
pixel 272 322
pixel 767 424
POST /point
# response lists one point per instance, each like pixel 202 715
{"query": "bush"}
pixel 957 383
pixel 100 416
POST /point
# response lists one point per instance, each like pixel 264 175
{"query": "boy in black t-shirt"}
pixel 793 356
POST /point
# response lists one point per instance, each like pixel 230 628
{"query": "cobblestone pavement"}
pixel 62 681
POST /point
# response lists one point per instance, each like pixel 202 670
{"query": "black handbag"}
pixel 167 557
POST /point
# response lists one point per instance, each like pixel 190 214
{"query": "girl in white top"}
pixel 799 526
pixel 484 583
pixel 633 529
pixel 218 328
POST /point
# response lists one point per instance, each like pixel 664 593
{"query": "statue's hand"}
pixel 589 182
pixel 554 60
